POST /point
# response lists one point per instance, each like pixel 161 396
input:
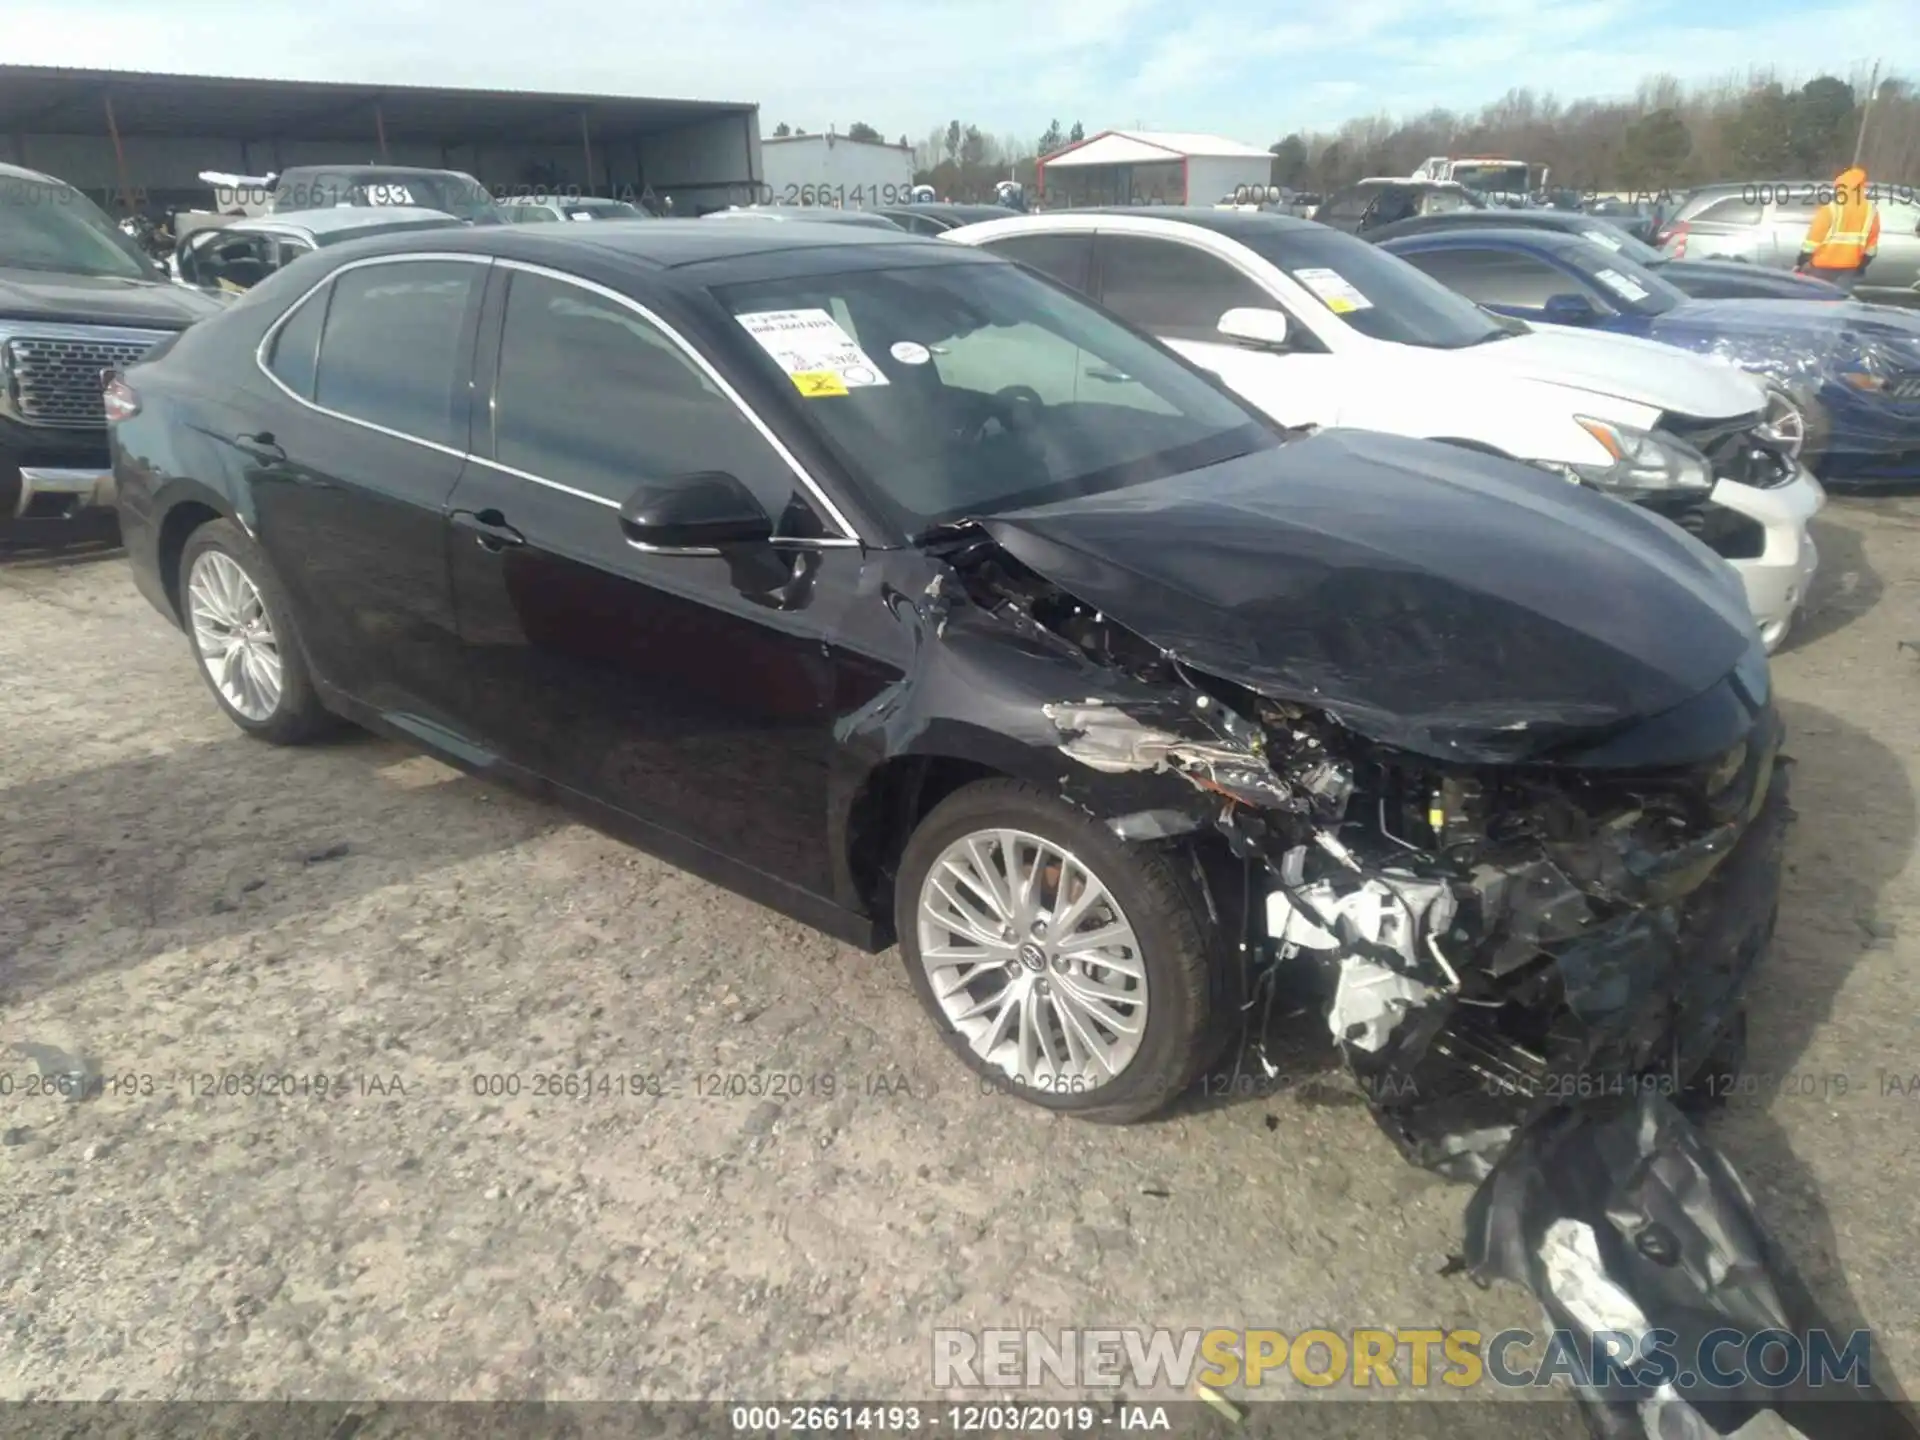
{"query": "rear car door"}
pixel 352 481
pixel 689 693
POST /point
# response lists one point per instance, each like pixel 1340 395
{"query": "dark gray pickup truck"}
pixel 76 298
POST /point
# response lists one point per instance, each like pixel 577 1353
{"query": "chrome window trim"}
pixel 822 542
pixel 273 333
pixel 847 539
pixel 706 368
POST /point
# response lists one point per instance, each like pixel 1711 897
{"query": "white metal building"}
pixel 833 170
pixel 1150 167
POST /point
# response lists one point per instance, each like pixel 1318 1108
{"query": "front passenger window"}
pixel 593 396
pixel 1175 291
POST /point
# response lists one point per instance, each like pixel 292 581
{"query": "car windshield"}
pixel 1378 294
pixel 1500 179
pixel 1628 285
pixel 45 226
pixel 958 390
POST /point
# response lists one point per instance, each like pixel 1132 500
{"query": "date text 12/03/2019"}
pixel 993 1418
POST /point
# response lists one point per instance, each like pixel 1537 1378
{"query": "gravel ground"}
pixel 186 910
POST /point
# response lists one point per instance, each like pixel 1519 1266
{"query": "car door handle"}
pixel 489 529
pixel 262 447
pixel 1112 377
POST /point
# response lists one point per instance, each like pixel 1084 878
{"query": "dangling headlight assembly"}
pixel 1641 462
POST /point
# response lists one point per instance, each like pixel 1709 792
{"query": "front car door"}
pixel 690 693
pixel 353 480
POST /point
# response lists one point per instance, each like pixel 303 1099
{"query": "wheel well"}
pixel 182 520
pixel 895 799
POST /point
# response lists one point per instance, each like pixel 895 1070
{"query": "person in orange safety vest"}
pixel 1844 235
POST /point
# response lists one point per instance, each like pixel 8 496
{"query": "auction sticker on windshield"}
pixel 1336 292
pixel 1601 237
pixel 818 356
pixel 1621 285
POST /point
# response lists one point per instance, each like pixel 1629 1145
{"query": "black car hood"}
pixel 1731 280
pixel 1431 597
pixel 58 299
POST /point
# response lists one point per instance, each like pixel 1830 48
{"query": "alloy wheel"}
pixel 1785 424
pixel 1032 960
pixel 234 636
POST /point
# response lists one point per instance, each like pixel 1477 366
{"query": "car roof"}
pixel 1539 218
pixel 1233 223
pixel 1509 237
pixel 370 167
pixel 21 172
pixel 337 218
pixel 939 208
pixel 824 215
pixel 666 245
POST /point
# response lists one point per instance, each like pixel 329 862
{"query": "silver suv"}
pixel 1765 223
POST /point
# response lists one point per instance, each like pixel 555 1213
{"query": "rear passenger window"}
pixel 1734 210
pixel 1064 257
pixel 297 345
pixel 396 345
pixel 593 396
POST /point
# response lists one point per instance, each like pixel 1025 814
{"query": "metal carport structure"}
pixel 137 138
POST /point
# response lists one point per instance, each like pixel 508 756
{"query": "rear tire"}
pixel 240 627
pixel 1047 1005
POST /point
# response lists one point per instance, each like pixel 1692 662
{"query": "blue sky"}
pixel 1241 68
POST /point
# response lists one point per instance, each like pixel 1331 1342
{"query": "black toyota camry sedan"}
pixel 908 593
pixel 893 585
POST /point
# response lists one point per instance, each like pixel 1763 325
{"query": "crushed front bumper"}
pixel 1642 1003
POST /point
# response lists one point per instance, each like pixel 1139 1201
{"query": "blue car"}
pixel 1851 370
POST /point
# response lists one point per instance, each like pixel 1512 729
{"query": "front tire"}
pixel 1060 963
pixel 241 629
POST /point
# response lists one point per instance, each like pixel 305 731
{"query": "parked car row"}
pixel 1320 328
pixel 923 599
pixel 1082 624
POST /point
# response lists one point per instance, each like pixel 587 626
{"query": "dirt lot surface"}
pixel 188 912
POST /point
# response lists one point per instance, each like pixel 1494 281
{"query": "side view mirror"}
pixel 1253 325
pixel 1569 310
pixel 695 514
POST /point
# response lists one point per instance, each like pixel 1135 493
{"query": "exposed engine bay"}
pixel 1500 951
pixel 1490 940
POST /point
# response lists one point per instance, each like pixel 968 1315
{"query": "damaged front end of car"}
pixel 1491 939
pixel 1512 923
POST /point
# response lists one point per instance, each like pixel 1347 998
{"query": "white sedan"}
pixel 1319 328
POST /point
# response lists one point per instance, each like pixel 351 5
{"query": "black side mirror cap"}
pixel 697 514
pixel 1569 310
